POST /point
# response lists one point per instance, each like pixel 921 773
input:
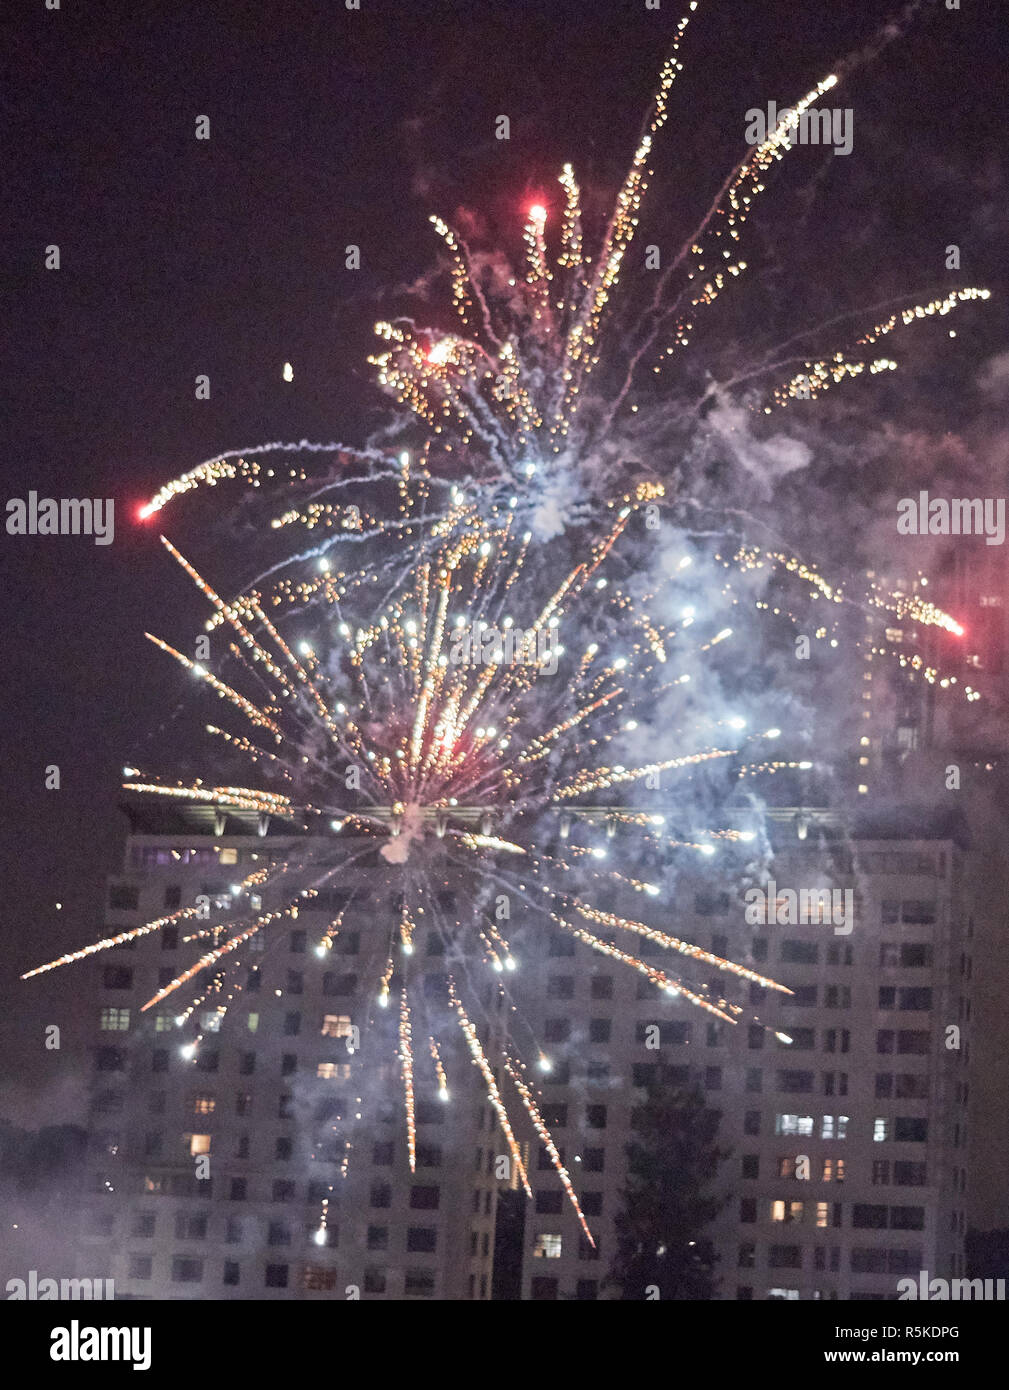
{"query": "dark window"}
pixel 599 1030
pixel 124 897
pixel 381 1154
pixel 751 1166
pixel 169 938
pixel 549 1203
pixel 231 1272
pixel 555 1115
pixel 561 946
pixel 800 952
pixel 246 1066
pixel 276 1277
pixel 297 942
pixel 118 977
pixel 237 1193
pixel 909 1130
pixel 292 1025
pixel 866 1217
pixel 595 1116
pixel 381 1195
pixel 602 988
pixel 543 1288
pixel 283 1189
pixel 374 1281
pixel 173 899
pixel 186 1270
pixel 421 1239
pixel 425 1198
pixel 557 1029
pixel 561 987
pixel 378 1237
pixel 593 1160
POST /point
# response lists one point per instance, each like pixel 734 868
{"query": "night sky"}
pixel 226 257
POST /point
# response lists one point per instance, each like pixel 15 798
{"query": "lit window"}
pixel 547 1247
pixel 880 1126
pixel 115 1020
pixel 199 1144
pixel 228 856
pixel 822 1213
pixel 253 1022
pixel 210 1021
pixel 163 1022
pixel 204 1105
pixel 336 1026
pixel 786 1211
pixel 333 1071
pixel 793 1124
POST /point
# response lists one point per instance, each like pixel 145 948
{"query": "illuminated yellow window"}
pixel 199 1144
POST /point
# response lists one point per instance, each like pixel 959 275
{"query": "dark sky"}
pixel 225 257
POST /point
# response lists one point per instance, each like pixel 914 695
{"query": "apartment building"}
pixel 844 1103
pixel 272 1161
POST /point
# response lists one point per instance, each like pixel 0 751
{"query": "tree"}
pixel 661 1250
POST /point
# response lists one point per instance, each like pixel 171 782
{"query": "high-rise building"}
pixel 844 1103
pixel 273 1161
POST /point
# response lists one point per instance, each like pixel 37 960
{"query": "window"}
pixel 186 1270
pixel 880 1129
pixel 912 1043
pixel 292 1025
pixel 381 1195
pixel 602 987
pixel 866 1217
pixel 911 1086
pixel 276 1277
pixel 908 1130
pixel 800 952
pixel 747 1255
pixel 547 1247
pixel 907 1174
pixel 124 897
pixel 599 1030
pixel 421 1239
pixel 378 1238
pixel 587 1290
pixel 786 1211
pixel 110 1059
pixel 595 1116
pixel 143 1224
pixel 419 1283
pixel 793 1081
pixel 115 1020
pixel 544 1289
pixel 784 1257
pixel 549 1202
pixel 140 1266
pixel 119 977
pixel 296 943
pixel 425 1198
pixel 336 1026
pixel 555 1115
pixel 755 1037
pixel 593 1160
pixel 237 1192
pixel 561 987
pixel 557 1029
pixel 747 1210
pixel 231 1273
pixel 793 1124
